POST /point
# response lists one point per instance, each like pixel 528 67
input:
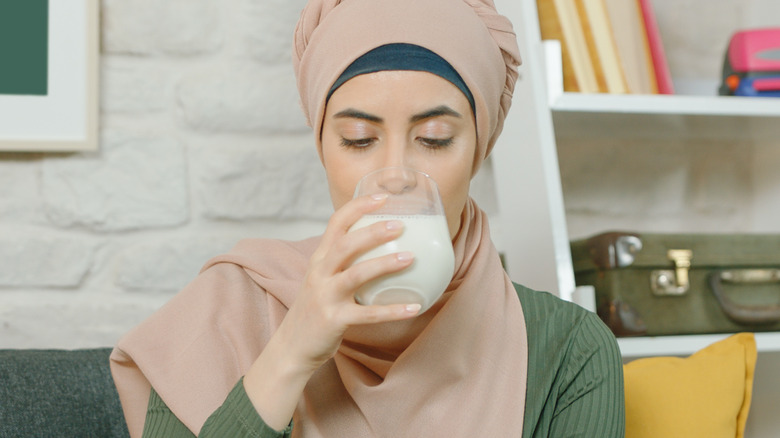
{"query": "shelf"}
pixel 583 116
pixel 733 106
pixel 685 345
pixel 687 122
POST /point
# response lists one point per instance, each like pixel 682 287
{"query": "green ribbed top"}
pixel 574 389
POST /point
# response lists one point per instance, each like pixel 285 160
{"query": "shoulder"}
pixel 571 353
pixel 553 321
pixel 274 257
pixel 548 309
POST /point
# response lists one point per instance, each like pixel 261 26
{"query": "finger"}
pixel 346 216
pixel 360 273
pixel 344 251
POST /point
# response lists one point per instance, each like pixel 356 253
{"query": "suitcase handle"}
pixel 753 315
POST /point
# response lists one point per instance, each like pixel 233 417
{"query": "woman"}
pixel 268 339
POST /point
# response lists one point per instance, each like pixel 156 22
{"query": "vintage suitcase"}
pixel 669 284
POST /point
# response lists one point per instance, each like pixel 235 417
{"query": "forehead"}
pixel 399 88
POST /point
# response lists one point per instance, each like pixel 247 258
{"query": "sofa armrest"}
pixel 63 393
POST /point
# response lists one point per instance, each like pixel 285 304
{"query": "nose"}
pixel 396 180
pixel 397 152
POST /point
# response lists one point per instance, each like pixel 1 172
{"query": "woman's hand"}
pixel 325 307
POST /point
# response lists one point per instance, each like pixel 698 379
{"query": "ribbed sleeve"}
pixel 575 381
pixel 160 421
pixel 236 418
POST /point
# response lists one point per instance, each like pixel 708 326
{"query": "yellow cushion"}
pixel 704 395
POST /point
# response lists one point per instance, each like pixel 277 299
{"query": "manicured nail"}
pixel 404 256
pixel 379 196
pixel 394 225
pixel 413 308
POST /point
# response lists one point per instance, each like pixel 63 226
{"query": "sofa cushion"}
pixel 707 394
pixel 62 393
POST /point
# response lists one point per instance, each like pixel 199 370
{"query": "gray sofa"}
pixel 58 393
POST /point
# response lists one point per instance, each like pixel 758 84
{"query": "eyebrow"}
pixel 441 110
pixel 351 113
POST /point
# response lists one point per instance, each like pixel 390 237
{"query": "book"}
pixel 602 46
pixel 628 26
pixel 663 76
pixel 558 20
pixel 589 35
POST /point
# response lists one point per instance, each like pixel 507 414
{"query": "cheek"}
pixel 340 184
pixel 457 198
pixel 454 189
pixel 336 174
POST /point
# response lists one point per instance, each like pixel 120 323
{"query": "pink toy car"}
pixel 752 64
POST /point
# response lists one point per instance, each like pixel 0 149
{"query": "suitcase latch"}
pixel 667 282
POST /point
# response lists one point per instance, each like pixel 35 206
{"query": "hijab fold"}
pixel 458 369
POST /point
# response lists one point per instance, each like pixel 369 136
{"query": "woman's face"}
pixel 400 118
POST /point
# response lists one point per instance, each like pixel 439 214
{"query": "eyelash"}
pixel 430 143
pixel 435 143
pixel 360 143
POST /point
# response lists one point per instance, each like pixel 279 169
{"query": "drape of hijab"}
pixel 459 369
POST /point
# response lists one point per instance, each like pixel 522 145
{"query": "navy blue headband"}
pixel 401 56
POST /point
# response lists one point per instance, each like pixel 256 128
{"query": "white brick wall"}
pixel 203 143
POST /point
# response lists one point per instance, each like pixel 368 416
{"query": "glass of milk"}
pixel 413 198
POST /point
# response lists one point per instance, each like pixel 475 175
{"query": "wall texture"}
pixel 202 143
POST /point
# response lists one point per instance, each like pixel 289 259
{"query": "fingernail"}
pixel 413 308
pixel 404 256
pixel 379 196
pixel 394 225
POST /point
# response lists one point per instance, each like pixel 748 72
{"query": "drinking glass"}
pixel 413 198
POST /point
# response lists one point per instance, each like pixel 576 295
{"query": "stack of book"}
pixel 608 46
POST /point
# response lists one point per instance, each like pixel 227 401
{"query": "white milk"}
pixel 428 238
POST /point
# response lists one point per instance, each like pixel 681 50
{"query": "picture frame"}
pixel 65 117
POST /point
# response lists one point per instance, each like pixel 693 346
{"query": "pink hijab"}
pixel 469 34
pixel 459 369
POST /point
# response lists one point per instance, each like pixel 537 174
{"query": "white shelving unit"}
pixel 535 239
pixel 658 117
pixel 728 106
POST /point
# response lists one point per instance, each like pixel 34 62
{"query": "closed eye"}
pixel 357 143
pixel 435 143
